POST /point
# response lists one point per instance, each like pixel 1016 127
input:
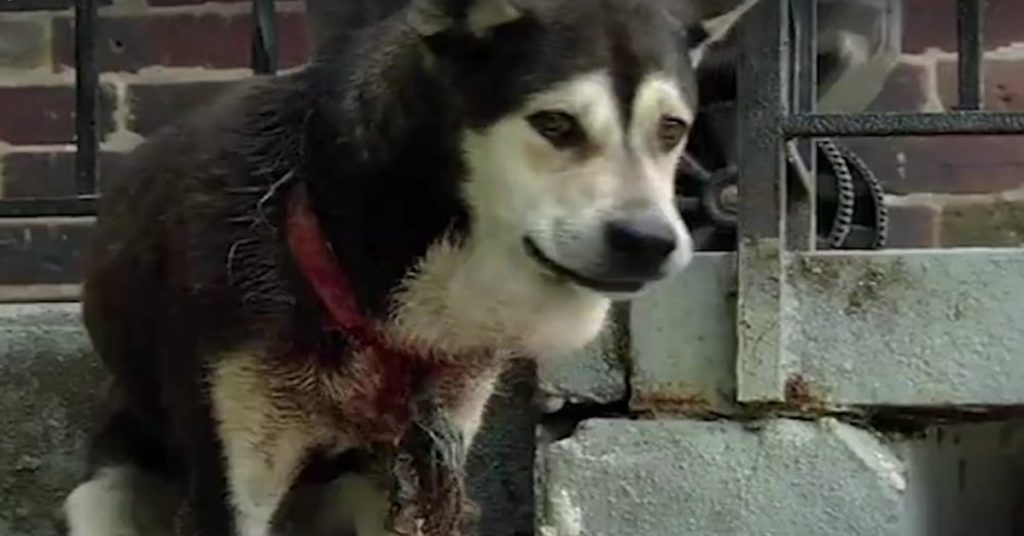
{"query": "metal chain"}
pixel 877 194
pixel 843 220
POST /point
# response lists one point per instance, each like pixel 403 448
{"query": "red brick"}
pixel 913 227
pixel 904 90
pixel 42 251
pixel 197 2
pixel 1004 85
pixel 155 105
pixel 186 2
pixel 932 23
pixel 948 164
pixel 40 5
pixel 46 114
pixel 38 174
pixel 211 40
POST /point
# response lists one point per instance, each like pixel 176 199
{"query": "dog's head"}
pixel 575 116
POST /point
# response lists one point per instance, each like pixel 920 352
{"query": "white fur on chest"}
pixel 483 294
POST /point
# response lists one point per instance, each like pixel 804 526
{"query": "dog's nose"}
pixel 645 238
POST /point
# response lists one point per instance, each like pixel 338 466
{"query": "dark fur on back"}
pixel 199 205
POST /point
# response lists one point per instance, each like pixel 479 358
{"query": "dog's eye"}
pixel 671 131
pixel 559 128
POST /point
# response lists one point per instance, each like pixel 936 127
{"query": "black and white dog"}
pixel 334 262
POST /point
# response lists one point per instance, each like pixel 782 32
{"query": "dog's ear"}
pixel 713 23
pixel 476 17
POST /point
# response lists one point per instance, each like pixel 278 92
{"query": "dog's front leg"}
pixel 432 454
pixel 260 472
pixel 364 501
pixel 264 442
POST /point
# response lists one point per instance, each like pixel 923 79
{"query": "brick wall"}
pixel 158 58
pixel 961 190
pixel 161 57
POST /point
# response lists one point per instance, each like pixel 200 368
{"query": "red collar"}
pixel 390 386
pixel 318 264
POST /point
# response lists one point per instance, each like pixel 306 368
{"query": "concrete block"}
pixel 892 328
pixel 679 478
pixel 782 478
pixel 594 375
pixel 964 479
pixel 683 340
pixel 914 328
pixel 48 387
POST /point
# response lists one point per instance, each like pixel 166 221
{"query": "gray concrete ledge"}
pixel 921 328
pixel 674 478
pixel 683 340
pixel 936 328
pixel 48 389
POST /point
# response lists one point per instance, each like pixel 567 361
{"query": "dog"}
pixel 335 263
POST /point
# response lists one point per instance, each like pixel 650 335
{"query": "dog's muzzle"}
pixel 637 248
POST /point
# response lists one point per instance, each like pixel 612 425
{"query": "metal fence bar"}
pixel 763 98
pixel 970 21
pixel 903 124
pixel 86 96
pixel 264 37
pixel 801 220
pixel 86 129
pixel 805 18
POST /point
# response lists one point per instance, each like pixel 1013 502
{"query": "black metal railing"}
pixel 776 97
pixel 87 28
pixel 776 52
pixel 970 22
pixel 86 97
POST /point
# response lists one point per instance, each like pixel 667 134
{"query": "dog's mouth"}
pixel 618 287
